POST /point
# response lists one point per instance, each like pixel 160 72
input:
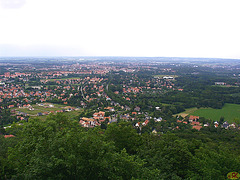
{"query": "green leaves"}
pixel 59 148
pixel 123 136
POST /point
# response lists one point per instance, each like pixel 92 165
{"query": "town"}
pixel 150 95
pixel 119 118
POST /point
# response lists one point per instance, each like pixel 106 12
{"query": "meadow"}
pixel 38 109
pixel 41 109
pixel 229 112
pixel 187 112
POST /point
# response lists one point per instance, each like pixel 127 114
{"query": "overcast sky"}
pixel 175 28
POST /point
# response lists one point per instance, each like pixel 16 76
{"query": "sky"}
pixel 154 28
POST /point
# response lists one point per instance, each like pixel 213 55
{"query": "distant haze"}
pixel 175 28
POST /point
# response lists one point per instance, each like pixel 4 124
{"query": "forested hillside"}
pixel 59 148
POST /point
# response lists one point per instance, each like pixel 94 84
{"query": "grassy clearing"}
pixel 70 115
pixel 187 112
pixel 229 112
pixel 38 109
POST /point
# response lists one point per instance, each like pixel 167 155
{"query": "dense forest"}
pixel 59 148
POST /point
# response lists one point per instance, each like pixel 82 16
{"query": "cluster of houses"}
pixel 194 121
pixel 225 125
pixel 96 120
pixel 141 124
pixel 14 92
pixel 14 75
pixel 90 88
pixel 131 89
pixel 99 117
pixel 63 92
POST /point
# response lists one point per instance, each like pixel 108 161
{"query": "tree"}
pixel 5 167
pixel 221 120
pixel 213 164
pixel 124 136
pixel 169 154
pixel 42 148
pixel 59 148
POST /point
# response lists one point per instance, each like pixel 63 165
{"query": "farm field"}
pixel 229 112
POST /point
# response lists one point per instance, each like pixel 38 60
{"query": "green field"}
pixel 229 112
pixel 38 109
pixel 70 115
pixel 187 112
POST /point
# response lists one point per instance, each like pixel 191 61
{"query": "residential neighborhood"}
pixel 101 93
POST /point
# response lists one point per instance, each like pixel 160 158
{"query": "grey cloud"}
pixel 12 4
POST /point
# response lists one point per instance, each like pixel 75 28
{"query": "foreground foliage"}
pixel 59 148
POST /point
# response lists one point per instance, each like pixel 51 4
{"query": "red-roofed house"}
pixel 193 118
pixel 145 122
pixel 195 123
pixel 197 127
pixel 7 136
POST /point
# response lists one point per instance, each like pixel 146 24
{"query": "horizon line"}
pixel 65 56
